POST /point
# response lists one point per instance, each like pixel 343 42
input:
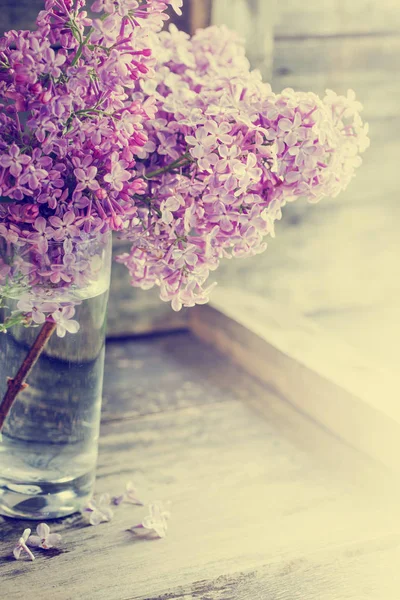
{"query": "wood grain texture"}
pixel 313 577
pixel 336 17
pixel 369 65
pixel 264 504
pixel 157 374
pixel 254 20
pixel 19 15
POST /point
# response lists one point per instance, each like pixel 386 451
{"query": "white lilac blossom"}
pixel 99 510
pixel 22 547
pixel 156 520
pixel 64 321
pixel 130 495
pixel 243 152
pixel 44 539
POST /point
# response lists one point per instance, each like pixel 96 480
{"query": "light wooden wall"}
pixel 337 17
pixel 343 44
pixel 340 44
pixel 255 21
pixel 337 263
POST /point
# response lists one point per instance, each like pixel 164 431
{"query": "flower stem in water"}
pixel 17 384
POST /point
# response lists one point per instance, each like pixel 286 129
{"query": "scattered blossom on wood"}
pixel 130 495
pixel 44 539
pixel 22 547
pixel 99 510
pixel 156 521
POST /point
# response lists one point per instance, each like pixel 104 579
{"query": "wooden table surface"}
pixel 265 505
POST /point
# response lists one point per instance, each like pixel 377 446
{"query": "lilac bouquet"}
pixel 171 140
pixel 110 124
pixel 239 152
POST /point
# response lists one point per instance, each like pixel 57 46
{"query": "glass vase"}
pixel 49 439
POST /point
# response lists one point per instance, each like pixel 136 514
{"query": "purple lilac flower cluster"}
pixel 171 140
pixel 70 132
pixel 241 152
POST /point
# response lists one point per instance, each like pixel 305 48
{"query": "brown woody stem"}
pixel 16 385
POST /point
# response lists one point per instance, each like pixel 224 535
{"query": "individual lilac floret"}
pixel 14 160
pixel 156 520
pixel 176 5
pixel 99 511
pixel 36 308
pixel 44 539
pixel 65 322
pixel 22 547
pixel 130 495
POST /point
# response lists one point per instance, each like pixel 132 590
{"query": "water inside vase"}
pixel 48 446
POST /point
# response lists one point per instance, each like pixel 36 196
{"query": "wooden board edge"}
pixel 266 342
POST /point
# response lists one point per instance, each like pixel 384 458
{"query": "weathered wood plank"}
pixel 251 488
pixel 367 65
pixel 336 17
pixel 364 572
pixel 254 20
pixel 244 492
pixel 156 374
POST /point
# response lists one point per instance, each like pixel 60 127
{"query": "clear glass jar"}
pixel 48 444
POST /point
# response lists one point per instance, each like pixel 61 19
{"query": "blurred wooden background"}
pixel 335 263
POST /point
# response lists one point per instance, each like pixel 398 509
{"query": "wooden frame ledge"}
pixel 313 370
